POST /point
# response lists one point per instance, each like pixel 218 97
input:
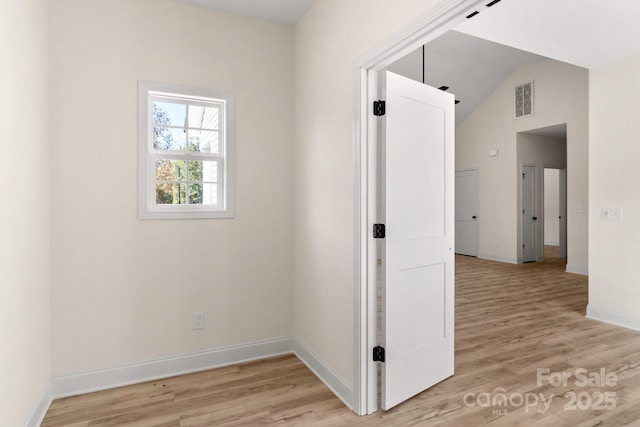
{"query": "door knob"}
pixel 535 218
pixel 474 217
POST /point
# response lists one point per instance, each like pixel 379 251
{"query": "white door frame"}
pixel 476 171
pixel 535 195
pixel 563 213
pixel 438 20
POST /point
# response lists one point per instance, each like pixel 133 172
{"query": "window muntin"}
pixel 186 146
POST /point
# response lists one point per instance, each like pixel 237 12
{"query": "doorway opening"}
pixel 555 213
pixel 542 156
pixel 529 222
pixel 366 76
pixel 467 212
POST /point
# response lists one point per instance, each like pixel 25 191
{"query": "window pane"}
pixel 169 114
pixel 209 193
pixel 204 141
pixel 195 194
pixel 167 139
pixel 171 170
pixel 199 170
pixel 171 193
pixel 210 171
pixel 204 117
pixel 195 171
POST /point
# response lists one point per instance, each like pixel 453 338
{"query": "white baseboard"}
pixel 499 258
pixel 40 406
pixel 326 374
pixel 102 379
pixel 577 269
pixel 551 243
pixel 614 317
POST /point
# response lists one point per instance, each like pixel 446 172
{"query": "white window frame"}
pixel 147 155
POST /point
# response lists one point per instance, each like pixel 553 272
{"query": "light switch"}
pixel 579 209
pixel 611 214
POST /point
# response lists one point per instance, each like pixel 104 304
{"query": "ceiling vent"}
pixel 524 100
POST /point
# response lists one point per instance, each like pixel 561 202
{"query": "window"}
pixel 524 100
pixel 185 152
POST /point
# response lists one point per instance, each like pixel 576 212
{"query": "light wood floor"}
pixel 510 320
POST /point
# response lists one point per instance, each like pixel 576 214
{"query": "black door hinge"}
pixel 378 231
pixel 378 108
pixel 378 354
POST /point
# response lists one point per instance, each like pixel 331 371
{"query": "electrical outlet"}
pixel 197 320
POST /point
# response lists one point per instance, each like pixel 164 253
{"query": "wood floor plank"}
pixel 510 321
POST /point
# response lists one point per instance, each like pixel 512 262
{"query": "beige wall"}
pixel 328 39
pixel 24 217
pixel 614 178
pixel 561 96
pixel 124 289
pixel 539 151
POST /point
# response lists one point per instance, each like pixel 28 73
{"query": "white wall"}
pixel 561 96
pixel 24 217
pixel 538 150
pixel 328 39
pixel 124 289
pixel 614 176
pixel 551 207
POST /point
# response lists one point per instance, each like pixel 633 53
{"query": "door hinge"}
pixel 378 231
pixel 379 108
pixel 378 354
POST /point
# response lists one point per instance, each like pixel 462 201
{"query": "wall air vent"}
pixel 524 100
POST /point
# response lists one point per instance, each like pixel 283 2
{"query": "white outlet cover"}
pixel 197 320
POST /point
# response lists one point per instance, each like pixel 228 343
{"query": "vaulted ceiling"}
pixel 471 68
pixel 496 41
pixel 587 33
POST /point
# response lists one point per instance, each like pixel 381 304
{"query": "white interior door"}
pixel 467 212
pixel 529 217
pixel 418 256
